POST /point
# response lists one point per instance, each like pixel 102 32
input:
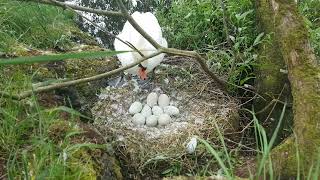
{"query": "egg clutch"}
pixel 157 111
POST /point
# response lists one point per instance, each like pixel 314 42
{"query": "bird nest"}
pixel 157 150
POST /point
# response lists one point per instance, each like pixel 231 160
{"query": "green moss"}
pixel 58 130
pixel 286 150
pixel 86 68
pixel 82 162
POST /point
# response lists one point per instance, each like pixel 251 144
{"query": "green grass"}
pixel 27 134
pixel 310 9
pixel 30 139
pixel 264 169
pixel 33 25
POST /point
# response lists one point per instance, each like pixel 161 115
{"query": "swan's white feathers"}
pixel 149 23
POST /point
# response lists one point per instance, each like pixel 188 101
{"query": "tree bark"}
pixel 304 76
pixel 270 82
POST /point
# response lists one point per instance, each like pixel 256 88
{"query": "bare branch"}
pixel 222 84
pixel 201 61
pixel 28 93
pixel 124 13
pixel 79 8
pixel 101 28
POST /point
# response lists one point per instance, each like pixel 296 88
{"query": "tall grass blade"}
pixel 224 146
pixel 297 156
pixel 69 110
pixel 267 147
pixel 317 168
pixel 59 57
pixel 217 157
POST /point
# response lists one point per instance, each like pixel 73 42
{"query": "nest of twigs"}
pixel 159 150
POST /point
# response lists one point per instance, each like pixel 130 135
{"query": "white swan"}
pixel 149 23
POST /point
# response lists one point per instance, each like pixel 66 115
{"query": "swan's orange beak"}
pixel 142 73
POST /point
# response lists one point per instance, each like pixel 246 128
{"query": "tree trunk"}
pixel 304 75
pixel 271 83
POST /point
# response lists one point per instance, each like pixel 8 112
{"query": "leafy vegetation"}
pixel 33 25
pixel 199 25
pixel 310 9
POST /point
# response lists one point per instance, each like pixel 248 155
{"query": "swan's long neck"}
pixel 142 67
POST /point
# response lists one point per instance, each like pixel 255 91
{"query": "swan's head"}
pixel 142 72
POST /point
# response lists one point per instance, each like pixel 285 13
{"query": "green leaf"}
pixel 70 111
pixel 244 15
pixel 74 133
pixel 59 57
pixel 258 39
pixel 168 171
pixel 245 80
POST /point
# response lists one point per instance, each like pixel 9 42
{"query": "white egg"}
pixel 157 110
pixel 192 145
pixel 152 99
pixel 135 107
pixel 163 100
pixel 152 121
pixel 146 111
pixel 164 119
pixel 171 110
pixel 138 119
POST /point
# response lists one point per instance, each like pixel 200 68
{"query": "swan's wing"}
pixel 120 46
pixel 150 24
pixel 125 58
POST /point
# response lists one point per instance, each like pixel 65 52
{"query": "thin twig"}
pixel 80 8
pixel 201 61
pixel 271 103
pixel 74 82
pixel 275 104
pixel 222 84
pixel 71 7
pixel 67 6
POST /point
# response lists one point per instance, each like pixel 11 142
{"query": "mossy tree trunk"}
pixel 271 83
pixel 291 40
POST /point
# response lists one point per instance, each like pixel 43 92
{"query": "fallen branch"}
pixel 28 93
